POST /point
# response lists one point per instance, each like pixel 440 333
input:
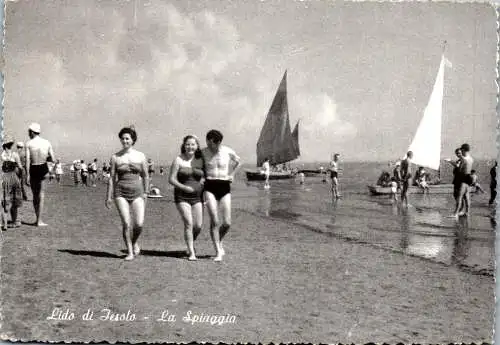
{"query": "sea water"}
pixel 423 230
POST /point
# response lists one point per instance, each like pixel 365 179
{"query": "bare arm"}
pixel 236 162
pixel 145 175
pixel 28 165
pixel 111 180
pixel 172 177
pixel 51 153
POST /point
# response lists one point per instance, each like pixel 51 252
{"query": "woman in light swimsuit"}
pixel 128 186
pixel 185 175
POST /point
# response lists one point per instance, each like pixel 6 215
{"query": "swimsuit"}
pixel 129 184
pixel 333 174
pixel 38 173
pixel 190 177
pixel 219 188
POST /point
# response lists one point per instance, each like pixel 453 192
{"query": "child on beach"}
pixel 475 182
pixel 394 190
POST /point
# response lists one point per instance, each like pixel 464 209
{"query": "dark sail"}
pixel 275 140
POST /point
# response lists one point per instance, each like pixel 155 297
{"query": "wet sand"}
pixel 281 282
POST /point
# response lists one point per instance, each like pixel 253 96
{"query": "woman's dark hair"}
pixel 215 136
pixel 197 153
pixel 8 146
pixel 128 130
pixel 465 147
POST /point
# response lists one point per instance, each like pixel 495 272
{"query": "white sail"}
pixel 426 144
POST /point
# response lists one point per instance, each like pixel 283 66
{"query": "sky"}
pixel 359 74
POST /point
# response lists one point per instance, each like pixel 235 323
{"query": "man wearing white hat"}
pixel 38 153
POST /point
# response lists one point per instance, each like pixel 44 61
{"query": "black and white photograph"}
pixel 254 171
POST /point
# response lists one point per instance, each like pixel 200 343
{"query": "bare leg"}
pixel 38 189
pixel 138 207
pixel 187 218
pixel 225 204
pixel 197 211
pixel 124 210
pixel 214 224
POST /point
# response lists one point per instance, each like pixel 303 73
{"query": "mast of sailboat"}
pixel 439 170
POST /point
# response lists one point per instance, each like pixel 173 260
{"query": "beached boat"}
pixel 426 144
pixel 276 142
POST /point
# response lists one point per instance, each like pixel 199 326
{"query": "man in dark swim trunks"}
pixel 38 152
pixel 220 165
pixel 465 170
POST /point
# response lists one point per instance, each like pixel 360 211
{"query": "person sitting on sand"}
pixel 475 181
pixel 384 179
pixel 12 196
pixel 128 186
pixel 38 152
pixel 422 179
pixel 186 173
pixel 221 164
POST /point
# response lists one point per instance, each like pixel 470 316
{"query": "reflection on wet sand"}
pixel 422 230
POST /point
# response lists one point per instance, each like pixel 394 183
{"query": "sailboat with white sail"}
pixel 276 141
pixel 426 144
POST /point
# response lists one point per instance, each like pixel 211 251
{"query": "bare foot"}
pixel 192 258
pixel 129 257
pixel 218 258
pixel 137 249
pixel 41 224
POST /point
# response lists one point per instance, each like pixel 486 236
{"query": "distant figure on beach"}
pixel 396 173
pixel 394 189
pixel 266 170
pixel 322 173
pixel 334 173
pixel 186 173
pixel 221 164
pixel 162 170
pixel 465 171
pixel 457 178
pixel 151 167
pixel 302 177
pixel 406 174
pixel 493 183
pixel 12 196
pixel 475 182
pixel 77 175
pixel 128 186
pixel 21 151
pixel 85 172
pixel 38 152
pixel 93 173
pixel 421 180
pixel 59 171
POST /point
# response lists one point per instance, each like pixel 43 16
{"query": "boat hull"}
pixel 311 172
pixel 433 189
pixel 258 176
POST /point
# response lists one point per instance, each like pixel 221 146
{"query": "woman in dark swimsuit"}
pixel 186 173
pixel 128 186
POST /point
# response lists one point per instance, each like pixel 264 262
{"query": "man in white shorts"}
pixel 220 165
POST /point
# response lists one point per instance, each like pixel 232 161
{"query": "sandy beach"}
pixel 279 282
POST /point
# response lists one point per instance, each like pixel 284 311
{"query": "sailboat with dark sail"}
pixel 276 141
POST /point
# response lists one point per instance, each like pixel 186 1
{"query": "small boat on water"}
pixel 444 188
pixel 276 141
pixel 426 144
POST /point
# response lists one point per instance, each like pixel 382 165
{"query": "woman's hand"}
pixel 188 189
pixel 108 202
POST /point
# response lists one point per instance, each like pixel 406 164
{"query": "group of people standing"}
pixel 199 176
pixel 26 166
